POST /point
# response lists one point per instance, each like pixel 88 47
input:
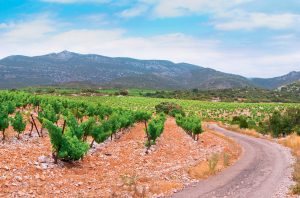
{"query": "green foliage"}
pixel 72 148
pixel 11 107
pixel 248 94
pixel 142 116
pixel 4 121
pixel 48 113
pixel 297 129
pixel 155 128
pixel 117 121
pixel 244 122
pixel 169 108
pixel 100 134
pixel 74 126
pixel 18 123
pixel 281 124
pixel 65 145
pixel 276 124
pixel 87 127
pixel 191 124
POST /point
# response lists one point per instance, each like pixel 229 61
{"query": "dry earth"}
pixel 117 168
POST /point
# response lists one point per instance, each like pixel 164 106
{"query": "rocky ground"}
pixel 117 168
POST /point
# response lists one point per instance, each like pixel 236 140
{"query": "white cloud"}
pixel 29 31
pixel 240 20
pixel 97 19
pixel 134 11
pixel 3 26
pixel 175 8
pixel 42 36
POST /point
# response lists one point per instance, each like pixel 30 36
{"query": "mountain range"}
pixel 58 68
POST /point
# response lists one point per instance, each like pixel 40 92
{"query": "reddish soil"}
pixel 117 168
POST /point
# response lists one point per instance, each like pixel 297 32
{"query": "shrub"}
pixel 169 108
pixel 284 123
pixel 18 123
pixel 297 129
pixel 4 121
pixel 241 121
pixel 124 92
pixel 65 145
pixel 191 124
pixel 155 129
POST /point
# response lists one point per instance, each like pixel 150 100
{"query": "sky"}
pixel 253 38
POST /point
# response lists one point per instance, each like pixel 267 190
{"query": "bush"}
pixel 18 123
pixel 191 124
pixel 124 92
pixel 169 108
pixel 241 121
pixel 297 129
pixel 65 146
pixel 155 129
pixel 281 124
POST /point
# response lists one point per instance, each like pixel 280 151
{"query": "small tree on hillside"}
pixel 18 123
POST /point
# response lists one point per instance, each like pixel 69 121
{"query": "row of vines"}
pixel 73 126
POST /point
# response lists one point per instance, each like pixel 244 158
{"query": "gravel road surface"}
pixel 263 171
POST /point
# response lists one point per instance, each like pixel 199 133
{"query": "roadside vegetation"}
pixel 284 125
pixel 293 142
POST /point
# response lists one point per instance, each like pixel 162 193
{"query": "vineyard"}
pixel 118 145
pixel 220 111
pixel 55 139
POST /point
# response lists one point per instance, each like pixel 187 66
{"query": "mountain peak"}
pixel 66 52
pixel 63 55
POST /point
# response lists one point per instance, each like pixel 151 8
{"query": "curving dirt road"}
pixel 263 171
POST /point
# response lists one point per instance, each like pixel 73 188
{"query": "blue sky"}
pixel 248 37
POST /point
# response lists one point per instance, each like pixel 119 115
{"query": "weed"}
pixel 213 162
pixel 226 158
pixel 129 180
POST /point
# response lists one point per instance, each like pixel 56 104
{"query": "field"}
pixel 78 148
pixel 114 146
pixel 220 111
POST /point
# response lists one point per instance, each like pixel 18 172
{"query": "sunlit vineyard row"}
pixel 221 111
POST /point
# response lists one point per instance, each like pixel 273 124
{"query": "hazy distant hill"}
pixel 272 83
pixel 20 71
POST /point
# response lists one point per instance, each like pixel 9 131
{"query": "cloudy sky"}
pixel 258 38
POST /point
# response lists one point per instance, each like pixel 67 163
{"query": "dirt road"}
pixel 263 171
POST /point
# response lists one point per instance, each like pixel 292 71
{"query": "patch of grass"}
pixel 213 162
pixel 236 128
pixel 200 171
pixel 296 176
pixel 226 159
pixel 129 180
pixel 293 142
